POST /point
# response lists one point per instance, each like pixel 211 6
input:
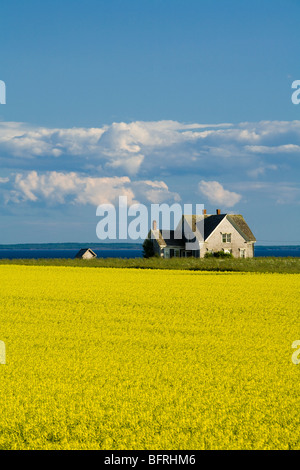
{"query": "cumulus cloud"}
pixel 260 170
pixel 4 180
pixel 155 192
pixel 129 164
pixel 148 147
pixel 216 194
pixel 61 188
pixel 283 193
pixel 83 165
pixel 289 148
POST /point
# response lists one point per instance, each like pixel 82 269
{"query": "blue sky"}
pixel 163 101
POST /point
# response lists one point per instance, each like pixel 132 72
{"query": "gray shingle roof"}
pixel 172 241
pixel 210 224
pixel 167 241
pixel 238 222
pixel 241 226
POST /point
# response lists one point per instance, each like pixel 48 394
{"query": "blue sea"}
pixel 260 251
pixel 65 253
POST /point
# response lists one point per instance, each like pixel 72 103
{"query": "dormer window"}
pixel 226 237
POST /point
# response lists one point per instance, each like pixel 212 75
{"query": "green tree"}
pixel 148 250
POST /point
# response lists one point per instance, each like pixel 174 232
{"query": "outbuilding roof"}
pixel 83 251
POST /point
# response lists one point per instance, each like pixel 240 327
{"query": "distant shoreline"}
pixel 72 246
pixel 115 250
pixel 112 246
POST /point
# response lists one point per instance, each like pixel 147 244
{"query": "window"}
pixel 226 237
pixel 242 253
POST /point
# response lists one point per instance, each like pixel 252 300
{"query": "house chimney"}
pixel 154 224
pixel 218 211
pixel 204 211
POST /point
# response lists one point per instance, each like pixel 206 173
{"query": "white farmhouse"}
pixel 197 235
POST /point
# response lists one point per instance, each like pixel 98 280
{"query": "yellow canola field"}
pixel 148 359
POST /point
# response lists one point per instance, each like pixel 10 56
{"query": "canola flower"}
pixel 101 358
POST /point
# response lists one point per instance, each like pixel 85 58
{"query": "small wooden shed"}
pixel 86 253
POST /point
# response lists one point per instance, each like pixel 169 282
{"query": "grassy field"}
pixel 266 265
pixel 148 359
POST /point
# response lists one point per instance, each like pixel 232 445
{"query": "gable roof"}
pixel 157 236
pixel 83 251
pixel 241 226
pixel 170 241
pixel 211 222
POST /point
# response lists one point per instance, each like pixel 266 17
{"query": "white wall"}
pixel 215 243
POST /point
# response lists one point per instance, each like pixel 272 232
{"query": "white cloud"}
pixel 61 188
pixel 130 164
pixel 150 146
pixel 216 194
pixel 260 170
pixel 156 192
pixel 145 153
pixel 283 192
pixel 4 180
pixel 279 149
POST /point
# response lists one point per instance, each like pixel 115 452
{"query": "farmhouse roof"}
pixel 241 226
pixel 174 241
pixel 237 221
pixel 163 242
pixel 211 222
pixel 157 235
